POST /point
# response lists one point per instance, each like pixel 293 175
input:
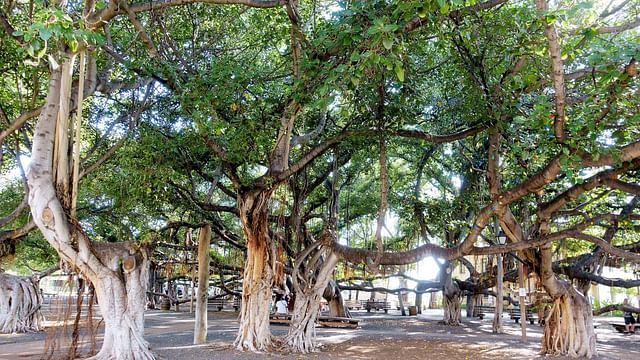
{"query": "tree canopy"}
pixel 290 124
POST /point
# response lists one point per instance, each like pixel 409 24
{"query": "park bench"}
pixel 619 327
pixel 221 303
pixel 353 304
pixel 514 314
pixel 326 321
pixel 375 305
pixel 280 319
pixel 480 310
pixel 217 303
pixel 338 322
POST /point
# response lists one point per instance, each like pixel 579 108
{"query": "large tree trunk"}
pixel 451 298
pixel 254 333
pixel 568 329
pixel 118 271
pixel 121 296
pixel 20 303
pixel 200 332
pixel 309 290
pixel 333 295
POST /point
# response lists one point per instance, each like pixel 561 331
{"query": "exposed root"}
pixel 20 303
pixel 568 328
pixel 451 310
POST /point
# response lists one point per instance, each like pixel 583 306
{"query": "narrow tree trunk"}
pixel 254 333
pixel 20 303
pixel 401 295
pixel 200 332
pixel 497 319
pixel 419 303
pixel 470 305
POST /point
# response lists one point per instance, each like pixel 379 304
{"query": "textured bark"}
pixel 497 319
pixel 121 290
pixel 472 301
pixel 451 297
pixel 568 329
pixel 302 334
pixel 118 271
pixel 200 332
pixel 333 295
pixel 20 303
pixel 254 333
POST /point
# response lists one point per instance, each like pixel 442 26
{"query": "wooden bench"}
pixel 280 319
pixel 338 322
pixel 515 315
pixel 221 303
pixel 217 303
pixel 375 305
pixel 326 321
pixel 353 304
pixel 619 327
pixel 480 310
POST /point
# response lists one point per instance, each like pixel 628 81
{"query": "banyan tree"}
pixel 282 124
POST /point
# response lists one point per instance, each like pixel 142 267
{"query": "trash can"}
pixel 413 311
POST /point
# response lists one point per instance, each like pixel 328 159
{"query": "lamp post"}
pixel 497 319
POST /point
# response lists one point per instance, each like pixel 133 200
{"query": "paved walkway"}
pixel 381 336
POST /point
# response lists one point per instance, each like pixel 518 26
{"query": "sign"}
pixel 522 292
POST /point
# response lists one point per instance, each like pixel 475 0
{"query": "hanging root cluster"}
pixel 20 305
pixel 568 328
pixel 72 337
pixel 311 275
pixel 451 310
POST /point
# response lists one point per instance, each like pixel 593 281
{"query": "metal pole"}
pixel 523 308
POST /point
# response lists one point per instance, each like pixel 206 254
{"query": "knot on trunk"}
pixel 47 218
pixel 129 263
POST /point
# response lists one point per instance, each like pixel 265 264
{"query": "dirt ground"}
pixel 380 336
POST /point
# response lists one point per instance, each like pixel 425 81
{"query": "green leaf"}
pixel 400 72
pixel 73 44
pixel 387 43
pixel 45 34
